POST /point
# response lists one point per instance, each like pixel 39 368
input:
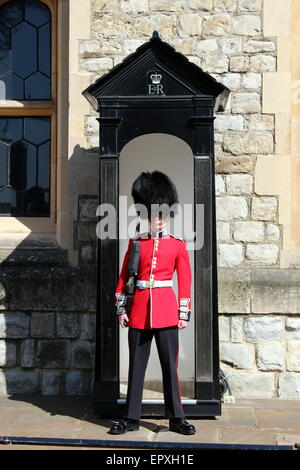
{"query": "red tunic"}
pixel 157 307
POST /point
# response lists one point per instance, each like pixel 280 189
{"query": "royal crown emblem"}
pixel 155 78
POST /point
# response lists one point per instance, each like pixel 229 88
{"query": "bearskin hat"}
pixel 155 188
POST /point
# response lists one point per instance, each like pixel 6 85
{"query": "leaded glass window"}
pixel 25 164
pixel 25 140
pixel 25 40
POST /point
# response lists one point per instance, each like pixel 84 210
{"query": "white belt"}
pixel 155 283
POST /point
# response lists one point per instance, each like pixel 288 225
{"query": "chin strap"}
pixel 184 310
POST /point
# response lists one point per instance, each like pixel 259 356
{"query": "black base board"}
pixel 203 408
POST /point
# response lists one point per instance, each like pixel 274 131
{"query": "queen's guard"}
pixel 154 309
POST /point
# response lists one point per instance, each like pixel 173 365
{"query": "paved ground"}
pixel 247 421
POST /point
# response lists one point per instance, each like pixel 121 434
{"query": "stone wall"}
pixel 259 328
pixel 47 314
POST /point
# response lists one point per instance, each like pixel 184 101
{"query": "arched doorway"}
pixel 171 155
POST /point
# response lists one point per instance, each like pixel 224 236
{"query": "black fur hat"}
pixel 155 188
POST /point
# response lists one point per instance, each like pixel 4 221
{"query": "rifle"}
pixel 133 266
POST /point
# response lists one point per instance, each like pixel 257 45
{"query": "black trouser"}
pixel 139 351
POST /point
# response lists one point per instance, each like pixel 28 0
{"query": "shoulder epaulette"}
pixel 178 238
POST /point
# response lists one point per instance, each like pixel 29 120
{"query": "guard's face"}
pixel 157 223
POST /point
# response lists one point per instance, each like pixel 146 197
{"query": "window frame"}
pixel 19 108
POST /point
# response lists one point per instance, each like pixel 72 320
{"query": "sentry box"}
pixel 157 91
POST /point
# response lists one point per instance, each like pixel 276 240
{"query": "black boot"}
pixel 181 426
pixel 124 425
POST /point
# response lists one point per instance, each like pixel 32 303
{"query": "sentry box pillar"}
pixel 157 90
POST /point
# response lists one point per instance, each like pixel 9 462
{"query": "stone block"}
pixel 7 353
pixel 264 208
pixel 90 48
pixel 231 80
pixel 82 355
pixel 165 24
pixel 43 325
pixel 254 46
pixel 289 386
pixel 223 231
pixel 246 25
pixel 189 24
pixel 237 332
pixel 186 47
pixel 230 255
pixel 19 382
pixel 206 46
pixel 28 355
pixel 97 64
pixel 240 356
pixel 266 253
pixel 228 5
pixel 231 46
pixel 262 63
pixel 275 291
pixel 236 164
pixel 215 63
pixel 53 353
pixel 241 143
pixel 87 207
pixel 231 207
pixel 87 253
pixel 130 45
pixel 270 356
pixel 249 384
pixel 246 103
pixel 67 325
pixel 216 25
pixel 91 125
pixel 87 326
pixel 14 325
pixel 239 184
pixel 195 60
pixel 272 233
pixel 78 383
pixel 87 232
pixel 234 290
pixel 252 81
pixel 224 328
pixel 250 5
pixel 93 142
pixel 293 355
pixel 51 383
pixel 239 64
pixel 219 184
pixel 223 123
pixel 104 6
pixel 201 5
pixel 2 292
pixel 134 6
pixel 263 329
pixel 292 328
pixel 118 25
pixel 260 122
pixel 248 231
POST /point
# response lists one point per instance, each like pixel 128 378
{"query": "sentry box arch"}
pixel 157 90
